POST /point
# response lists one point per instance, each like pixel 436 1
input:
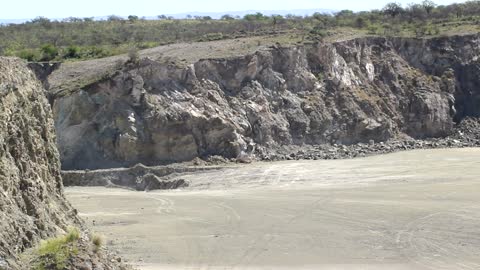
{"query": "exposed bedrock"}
pixel 32 203
pixel 158 112
pixel 139 177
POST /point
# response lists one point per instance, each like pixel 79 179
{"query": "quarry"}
pixel 352 153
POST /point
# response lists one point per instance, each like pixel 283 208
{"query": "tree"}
pixel 458 9
pixel 318 16
pixel 344 13
pixel 255 17
pixel 416 12
pixel 44 22
pixel 133 18
pixel 114 18
pixel 393 9
pixel 360 22
pixel 428 5
pixel 275 20
pixel 227 17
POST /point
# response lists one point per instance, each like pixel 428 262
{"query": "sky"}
pixel 25 9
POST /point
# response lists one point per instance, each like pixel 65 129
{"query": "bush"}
pixel 373 29
pixel 72 52
pixel 133 56
pixel 317 33
pixel 212 37
pixel 421 30
pixel 55 253
pixel 95 52
pixel 29 55
pixel 97 241
pixel 49 52
pixel 72 235
pixel 147 45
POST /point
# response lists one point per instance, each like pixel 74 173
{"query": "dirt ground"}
pixel 408 210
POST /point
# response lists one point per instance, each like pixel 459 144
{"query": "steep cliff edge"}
pixel 32 203
pixel 160 111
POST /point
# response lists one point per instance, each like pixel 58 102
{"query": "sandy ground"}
pixel 409 210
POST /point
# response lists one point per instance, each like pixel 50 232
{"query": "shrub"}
pixel 212 37
pixel 421 30
pixel 97 241
pixel 133 56
pixel 317 33
pixel 373 29
pixel 49 52
pixel 29 55
pixel 72 52
pixel 72 235
pixel 95 52
pixel 55 253
pixel 147 45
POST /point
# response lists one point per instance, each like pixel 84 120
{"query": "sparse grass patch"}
pixel 53 254
pixel 97 241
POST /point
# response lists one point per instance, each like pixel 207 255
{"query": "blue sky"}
pixel 20 9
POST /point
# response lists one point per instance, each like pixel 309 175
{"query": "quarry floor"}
pixel 408 210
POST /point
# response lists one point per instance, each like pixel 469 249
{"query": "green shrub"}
pixel 49 52
pixel 317 33
pixel 147 45
pixel 72 235
pixel 72 52
pixel 53 254
pixel 212 37
pixel 95 52
pixel 30 55
pixel 373 29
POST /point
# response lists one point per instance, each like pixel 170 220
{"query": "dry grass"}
pixel 97 241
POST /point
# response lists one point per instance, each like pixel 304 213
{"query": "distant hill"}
pixel 8 21
pixel 214 15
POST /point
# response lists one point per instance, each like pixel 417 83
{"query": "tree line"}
pixel 42 39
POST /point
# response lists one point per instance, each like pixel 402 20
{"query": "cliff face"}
pixel 456 57
pixel 157 111
pixel 32 204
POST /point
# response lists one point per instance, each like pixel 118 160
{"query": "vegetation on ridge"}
pixel 85 38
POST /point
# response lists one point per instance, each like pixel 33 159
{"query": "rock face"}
pixel 139 177
pixel 158 111
pixel 32 204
